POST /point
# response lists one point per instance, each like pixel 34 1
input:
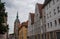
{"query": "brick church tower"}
pixel 16 27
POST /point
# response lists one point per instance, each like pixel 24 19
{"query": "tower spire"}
pixel 17 15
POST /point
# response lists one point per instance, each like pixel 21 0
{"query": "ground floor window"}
pixel 45 36
pixel 51 35
pixel 58 35
pixel 38 36
pixel 48 35
pixel 35 37
pixel 42 36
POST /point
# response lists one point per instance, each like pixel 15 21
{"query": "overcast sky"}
pixel 23 7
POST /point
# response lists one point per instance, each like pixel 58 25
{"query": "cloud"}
pixel 22 6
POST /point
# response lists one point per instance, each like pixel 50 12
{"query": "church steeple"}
pixel 17 18
pixel 16 26
pixel 17 15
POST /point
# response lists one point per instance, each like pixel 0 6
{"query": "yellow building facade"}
pixel 23 30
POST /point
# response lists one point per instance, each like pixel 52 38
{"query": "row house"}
pixel 37 20
pixel 46 21
pixel 35 23
pixel 51 10
pixel 30 26
pixel 23 30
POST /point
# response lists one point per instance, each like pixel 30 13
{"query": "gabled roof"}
pixel 40 8
pixel 46 2
pixel 32 17
pixel 25 24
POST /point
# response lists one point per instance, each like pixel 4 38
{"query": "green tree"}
pixel 3 28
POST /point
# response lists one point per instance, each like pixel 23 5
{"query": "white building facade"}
pixel 37 21
pixel 52 13
pixel 30 26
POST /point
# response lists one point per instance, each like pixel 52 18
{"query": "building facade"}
pixel 30 26
pixel 51 9
pixel 23 30
pixel 46 21
pixel 38 21
pixel 16 27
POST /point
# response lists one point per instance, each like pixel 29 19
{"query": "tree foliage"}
pixel 3 28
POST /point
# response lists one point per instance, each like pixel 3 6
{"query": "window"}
pixel 48 25
pixel 58 35
pixel 55 22
pixel 50 14
pixel 47 16
pixel 58 9
pixel 45 36
pixel 54 12
pixel 48 35
pixel 45 27
pixel 38 36
pixel 59 20
pixel 51 24
pixel 42 36
pixel 51 35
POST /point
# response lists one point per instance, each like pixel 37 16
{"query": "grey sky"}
pixel 22 6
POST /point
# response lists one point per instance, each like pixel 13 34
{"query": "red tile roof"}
pixel 24 24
